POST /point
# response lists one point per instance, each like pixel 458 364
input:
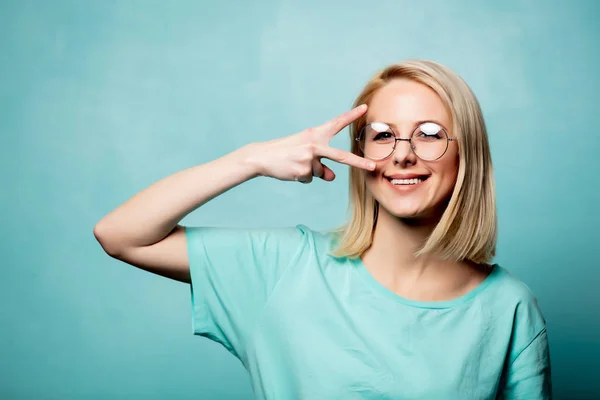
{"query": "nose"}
pixel 403 153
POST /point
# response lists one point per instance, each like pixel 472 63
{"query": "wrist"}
pixel 250 159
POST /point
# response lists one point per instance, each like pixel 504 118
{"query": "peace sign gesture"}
pixel 298 157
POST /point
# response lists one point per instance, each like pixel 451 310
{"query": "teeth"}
pixel 406 181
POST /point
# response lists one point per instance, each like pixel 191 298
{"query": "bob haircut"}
pixel 467 229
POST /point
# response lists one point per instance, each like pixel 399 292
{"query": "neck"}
pixel 391 260
pixel 391 256
pixel 395 241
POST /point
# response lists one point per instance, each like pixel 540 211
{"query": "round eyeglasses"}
pixel 429 141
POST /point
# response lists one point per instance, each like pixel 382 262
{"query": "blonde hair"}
pixel 467 229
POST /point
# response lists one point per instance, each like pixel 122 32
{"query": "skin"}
pixel 406 218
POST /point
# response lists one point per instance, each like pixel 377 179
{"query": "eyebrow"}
pixel 417 123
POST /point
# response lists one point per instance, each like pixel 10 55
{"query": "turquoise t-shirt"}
pixel 307 325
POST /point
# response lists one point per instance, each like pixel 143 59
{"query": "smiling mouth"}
pixel 408 182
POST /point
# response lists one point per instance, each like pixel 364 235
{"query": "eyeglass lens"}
pixel 429 141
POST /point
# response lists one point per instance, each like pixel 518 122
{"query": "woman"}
pixel 400 303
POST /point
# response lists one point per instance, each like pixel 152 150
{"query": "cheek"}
pixel 448 173
pixel 370 181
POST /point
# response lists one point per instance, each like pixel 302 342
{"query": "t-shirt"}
pixel 307 325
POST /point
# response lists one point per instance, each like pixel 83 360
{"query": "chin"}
pixel 412 214
pixel 405 213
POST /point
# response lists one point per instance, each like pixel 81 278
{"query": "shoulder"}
pixel 515 308
pixel 513 298
pixel 511 287
pixel 321 240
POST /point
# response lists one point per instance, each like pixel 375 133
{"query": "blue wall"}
pixel 99 99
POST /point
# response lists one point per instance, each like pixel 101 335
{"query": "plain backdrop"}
pixel 99 99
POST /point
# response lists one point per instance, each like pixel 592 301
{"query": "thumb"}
pixel 317 168
pixel 328 174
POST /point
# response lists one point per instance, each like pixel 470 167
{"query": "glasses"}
pixel 429 141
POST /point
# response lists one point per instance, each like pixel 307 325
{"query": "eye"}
pixel 430 131
pixel 382 136
pixel 425 135
pixel 379 132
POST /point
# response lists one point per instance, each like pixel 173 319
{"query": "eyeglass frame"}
pixel 409 140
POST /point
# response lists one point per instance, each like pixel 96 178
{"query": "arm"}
pixel 144 231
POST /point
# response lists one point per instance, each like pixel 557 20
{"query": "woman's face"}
pixel 403 105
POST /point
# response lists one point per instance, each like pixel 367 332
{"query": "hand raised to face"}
pixel 298 157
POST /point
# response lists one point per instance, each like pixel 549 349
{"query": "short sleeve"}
pixel 528 376
pixel 233 272
pixel 527 371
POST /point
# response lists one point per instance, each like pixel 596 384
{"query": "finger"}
pixel 345 157
pixel 328 174
pixel 317 168
pixel 335 125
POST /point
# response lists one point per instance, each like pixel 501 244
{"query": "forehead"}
pixel 402 102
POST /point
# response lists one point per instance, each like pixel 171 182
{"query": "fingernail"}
pixel 362 107
pixel 371 165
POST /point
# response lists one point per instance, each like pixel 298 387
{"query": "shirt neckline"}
pixel 379 288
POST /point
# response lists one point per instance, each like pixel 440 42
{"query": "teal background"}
pixel 99 99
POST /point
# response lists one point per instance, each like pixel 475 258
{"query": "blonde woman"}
pixel 400 303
